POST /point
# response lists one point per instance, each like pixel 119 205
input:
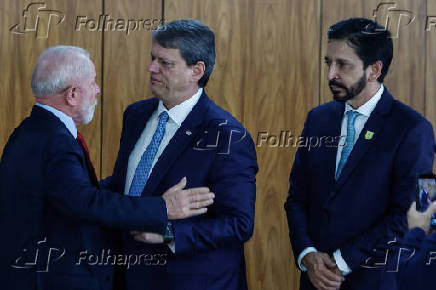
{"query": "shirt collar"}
pixel 179 113
pixel 64 118
pixel 367 108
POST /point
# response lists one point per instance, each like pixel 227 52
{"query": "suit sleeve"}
pixel 423 248
pixel 69 190
pixel 415 155
pixel 232 179
pixel 297 203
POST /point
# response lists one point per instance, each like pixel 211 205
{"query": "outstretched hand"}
pixel 183 203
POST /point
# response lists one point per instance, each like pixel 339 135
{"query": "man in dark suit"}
pixel 53 215
pixel 347 197
pixel 410 262
pixel 417 271
pixel 181 132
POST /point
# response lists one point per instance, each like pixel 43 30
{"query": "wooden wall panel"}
pixel 283 86
pixel 19 52
pixel 126 79
pixel 269 74
pixel 430 93
pixel 229 21
pixel 266 76
pixel 404 79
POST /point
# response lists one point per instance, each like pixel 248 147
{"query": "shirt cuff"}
pixel 342 265
pixel 301 256
pixel 172 246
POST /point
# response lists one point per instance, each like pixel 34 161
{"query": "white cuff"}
pixel 342 265
pixel 304 253
pixel 172 246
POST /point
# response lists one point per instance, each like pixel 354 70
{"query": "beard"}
pixel 350 92
pixel 88 112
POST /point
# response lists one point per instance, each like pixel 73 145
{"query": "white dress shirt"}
pixel 64 118
pixel 365 111
pixel 176 115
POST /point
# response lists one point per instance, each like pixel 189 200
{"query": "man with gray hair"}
pixel 53 214
pixel 181 132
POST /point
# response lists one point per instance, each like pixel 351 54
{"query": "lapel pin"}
pixel 369 135
pixel 188 132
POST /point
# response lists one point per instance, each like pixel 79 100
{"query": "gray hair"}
pixel 58 67
pixel 195 41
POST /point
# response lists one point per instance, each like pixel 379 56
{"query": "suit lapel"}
pixel 134 128
pixel 137 126
pixel 87 162
pixel 334 124
pixel 181 139
pixel 374 124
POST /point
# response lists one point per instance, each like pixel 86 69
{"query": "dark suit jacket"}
pixel 212 149
pixel 49 206
pixel 367 204
pixel 410 262
pixel 418 271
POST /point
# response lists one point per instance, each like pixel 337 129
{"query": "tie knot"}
pixel 80 137
pixel 352 115
pixel 163 117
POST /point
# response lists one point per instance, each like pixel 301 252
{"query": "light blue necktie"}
pixel 144 166
pixel 349 140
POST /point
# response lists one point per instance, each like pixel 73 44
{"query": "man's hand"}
pixel 183 203
pixel 336 269
pixel 149 238
pixel 322 271
pixel 420 219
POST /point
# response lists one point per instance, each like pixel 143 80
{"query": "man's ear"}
pixel 375 71
pixel 71 96
pixel 198 70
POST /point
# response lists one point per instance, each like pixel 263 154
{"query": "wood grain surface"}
pixel 430 64
pixel 269 73
pixel 126 79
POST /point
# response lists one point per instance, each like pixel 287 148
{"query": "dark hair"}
pixel 195 41
pixel 370 41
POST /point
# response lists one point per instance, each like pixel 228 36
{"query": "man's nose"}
pixel 332 72
pixel 153 67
